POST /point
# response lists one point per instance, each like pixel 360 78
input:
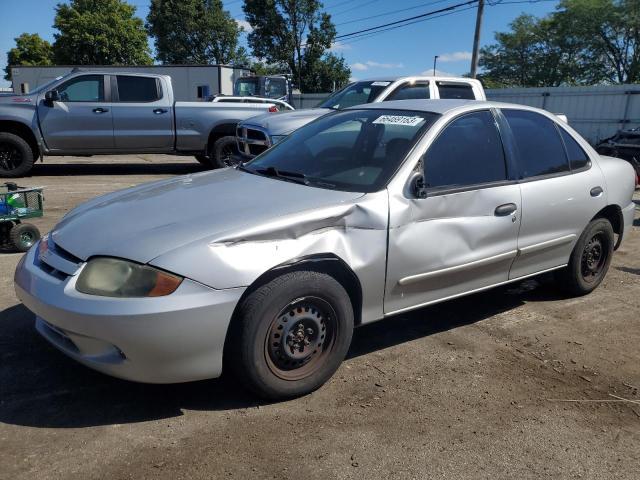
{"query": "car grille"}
pixel 56 261
pixel 252 141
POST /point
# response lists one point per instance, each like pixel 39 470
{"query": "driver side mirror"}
pixel 418 186
pixel 51 96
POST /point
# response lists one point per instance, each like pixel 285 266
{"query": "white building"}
pixel 190 82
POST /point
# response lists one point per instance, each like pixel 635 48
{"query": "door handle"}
pixel 100 110
pixel 596 191
pixel 506 209
pixel 159 111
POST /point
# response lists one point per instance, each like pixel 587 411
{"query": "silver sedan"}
pixel 265 269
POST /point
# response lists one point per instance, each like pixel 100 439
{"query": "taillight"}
pixel 273 109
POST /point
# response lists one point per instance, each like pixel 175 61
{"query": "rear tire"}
pixel 16 156
pixel 23 236
pixel 224 152
pixel 290 335
pixel 590 259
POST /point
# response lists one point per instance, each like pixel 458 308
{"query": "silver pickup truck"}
pixel 92 113
pixel 257 134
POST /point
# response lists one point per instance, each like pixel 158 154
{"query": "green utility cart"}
pixel 16 204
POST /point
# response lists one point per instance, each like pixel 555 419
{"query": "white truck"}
pixel 258 133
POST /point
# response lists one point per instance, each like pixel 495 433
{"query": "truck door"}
pixel 81 119
pixel 142 114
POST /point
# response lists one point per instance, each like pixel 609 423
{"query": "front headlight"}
pixel 112 277
pixel 277 138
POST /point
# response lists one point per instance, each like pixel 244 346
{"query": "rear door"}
pixel 561 191
pixel 142 114
pixel 81 120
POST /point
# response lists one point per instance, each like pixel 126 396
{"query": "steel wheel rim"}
pixel 594 258
pixel 10 156
pixel 300 338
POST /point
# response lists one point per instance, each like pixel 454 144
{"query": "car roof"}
pixel 396 78
pixel 440 106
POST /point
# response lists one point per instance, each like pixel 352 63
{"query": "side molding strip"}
pixel 548 244
pixel 459 268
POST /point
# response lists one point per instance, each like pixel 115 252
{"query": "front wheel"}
pixel 290 335
pixel 16 156
pixel 225 152
pixel 590 259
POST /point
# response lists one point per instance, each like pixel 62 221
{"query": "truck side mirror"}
pixel 418 186
pixel 51 96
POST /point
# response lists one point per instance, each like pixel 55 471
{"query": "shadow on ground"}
pixel 97 168
pixel 40 387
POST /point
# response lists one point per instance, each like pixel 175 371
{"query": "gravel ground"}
pixel 519 382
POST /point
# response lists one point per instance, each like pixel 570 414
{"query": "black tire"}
pixel 23 236
pixel 590 259
pixel 16 156
pixel 305 357
pixel 224 152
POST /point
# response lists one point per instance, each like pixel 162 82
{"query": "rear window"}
pixel 137 89
pixel 539 147
pixel 455 90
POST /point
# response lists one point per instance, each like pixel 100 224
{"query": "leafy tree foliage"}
pixel 99 32
pixel 30 49
pixel 582 42
pixel 298 34
pixel 194 31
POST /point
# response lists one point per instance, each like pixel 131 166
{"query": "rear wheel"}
pixel 290 335
pixel 225 152
pixel 23 236
pixel 590 259
pixel 16 157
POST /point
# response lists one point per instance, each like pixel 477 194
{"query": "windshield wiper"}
pixel 284 174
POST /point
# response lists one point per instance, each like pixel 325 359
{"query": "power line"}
pixel 369 2
pixel 423 15
pixel 390 13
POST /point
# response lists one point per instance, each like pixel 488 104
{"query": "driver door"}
pixel 463 235
pixel 82 119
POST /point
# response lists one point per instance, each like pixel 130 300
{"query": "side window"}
pixel 276 87
pixel 138 89
pixel 540 149
pixel 577 156
pixel 88 88
pixel 410 91
pixel 455 90
pixel 467 152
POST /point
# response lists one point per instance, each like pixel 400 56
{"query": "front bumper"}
pixel 177 338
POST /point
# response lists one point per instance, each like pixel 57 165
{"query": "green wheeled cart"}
pixel 16 204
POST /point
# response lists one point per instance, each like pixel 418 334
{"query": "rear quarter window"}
pixel 577 156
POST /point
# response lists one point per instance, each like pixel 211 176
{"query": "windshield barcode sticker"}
pixel 398 120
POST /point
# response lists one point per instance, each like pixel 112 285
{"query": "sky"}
pixel 402 51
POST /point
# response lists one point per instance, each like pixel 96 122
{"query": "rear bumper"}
pixel 177 338
pixel 628 214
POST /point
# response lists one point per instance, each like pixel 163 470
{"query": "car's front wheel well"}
pixel 613 214
pixel 223 130
pixel 24 132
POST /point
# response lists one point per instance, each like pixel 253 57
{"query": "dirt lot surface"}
pixel 516 383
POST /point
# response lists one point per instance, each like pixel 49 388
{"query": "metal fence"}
pixel 595 112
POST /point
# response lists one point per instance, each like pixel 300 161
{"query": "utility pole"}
pixel 435 60
pixel 476 40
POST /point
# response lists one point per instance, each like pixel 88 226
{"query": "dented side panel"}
pixel 355 231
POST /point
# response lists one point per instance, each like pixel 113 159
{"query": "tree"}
pixel 99 32
pixel 194 31
pixel 296 33
pixel 609 31
pixel 30 49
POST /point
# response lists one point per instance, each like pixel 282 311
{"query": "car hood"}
pixel 147 221
pixel 286 122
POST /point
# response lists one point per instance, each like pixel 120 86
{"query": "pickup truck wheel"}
pixel 23 236
pixel 225 151
pixel 290 336
pixel 16 157
pixel 590 259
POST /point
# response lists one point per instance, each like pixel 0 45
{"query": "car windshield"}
pixel 357 93
pixel 246 87
pixel 351 150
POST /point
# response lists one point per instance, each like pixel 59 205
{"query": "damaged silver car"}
pixel 357 216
